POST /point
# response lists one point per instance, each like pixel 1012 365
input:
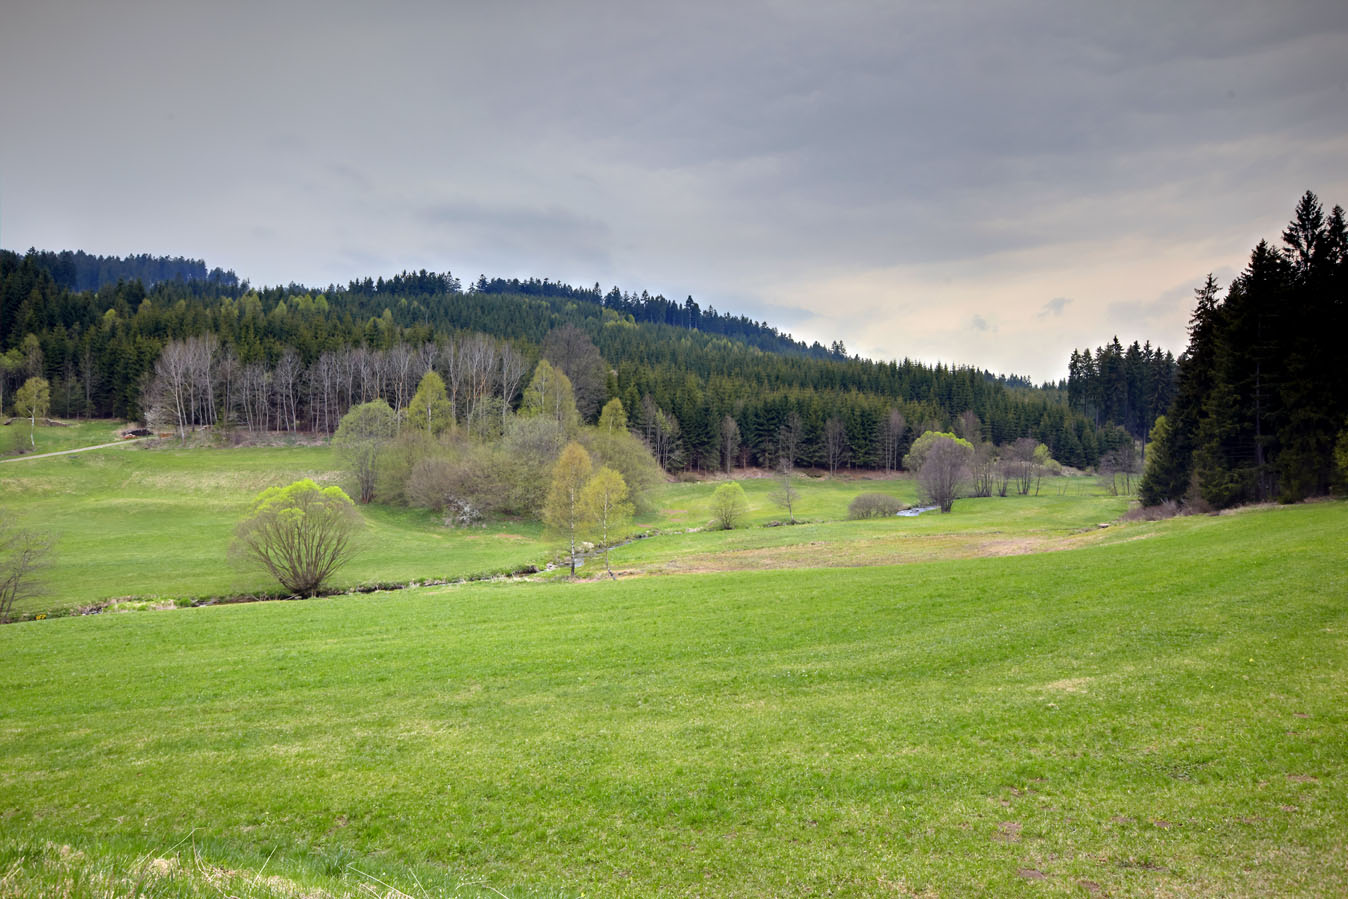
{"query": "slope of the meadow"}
pixel 152 525
pixel 1160 714
pixel 156 524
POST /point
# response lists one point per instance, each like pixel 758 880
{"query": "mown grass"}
pixel 1157 715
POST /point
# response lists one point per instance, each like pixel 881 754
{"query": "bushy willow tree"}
pixel 729 505
pixel 300 534
pixel 942 464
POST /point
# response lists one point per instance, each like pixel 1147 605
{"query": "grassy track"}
pixel 1161 714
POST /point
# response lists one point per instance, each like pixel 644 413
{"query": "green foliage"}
pixel 300 534
pixel 31 401
pixel 1162 473
pixel 624 452
pixel 564 509
pixel 360 436
pixel 1341 460
pixel 96 350
pixel 728 506
pixel 613 418
pixel 430 410
pixel 917 454
pixel 942 462
pixel 606 509
pixel 1261 396
pixel 549 396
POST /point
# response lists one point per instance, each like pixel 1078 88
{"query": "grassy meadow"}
pixel 1157 715
pixel 149 526
pixel 55 439
pixel 1005 700
pixel 154 525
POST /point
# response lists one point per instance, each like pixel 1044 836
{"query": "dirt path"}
pixel 82 449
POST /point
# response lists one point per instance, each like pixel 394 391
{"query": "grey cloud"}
pixel 1054 307
pixel 699 147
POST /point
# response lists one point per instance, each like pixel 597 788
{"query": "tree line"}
pixel 79 271
pixel 292 358
pixel 1129 388
pixel 1261 402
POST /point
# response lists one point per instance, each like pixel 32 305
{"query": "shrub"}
pixel 300 534
pixel 729 505
pixel 874 505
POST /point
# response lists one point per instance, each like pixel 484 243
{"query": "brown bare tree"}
pixel 835 443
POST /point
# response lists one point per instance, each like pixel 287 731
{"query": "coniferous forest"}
pixel 1261 401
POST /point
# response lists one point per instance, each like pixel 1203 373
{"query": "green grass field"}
pixel 54 439
pixel 1005 700
pixel 151 526
pixel 155 524
pixel 1158 714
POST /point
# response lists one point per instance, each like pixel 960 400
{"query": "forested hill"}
pixel 645 308
pixel 78 270
pixel 99 348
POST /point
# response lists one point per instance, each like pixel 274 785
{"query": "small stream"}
pixel 913 513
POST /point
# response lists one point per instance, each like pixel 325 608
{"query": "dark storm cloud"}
pixel 817 165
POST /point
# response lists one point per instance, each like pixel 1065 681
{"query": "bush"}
pixel 300 534
pixel 874 505
pixel 729 505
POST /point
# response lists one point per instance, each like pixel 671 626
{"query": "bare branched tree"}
pixel 789 436
pixel 944 468
pixel 24 554
pixel 891 439
pixel 835 443
pixel 730 441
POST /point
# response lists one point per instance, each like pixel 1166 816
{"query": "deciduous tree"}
pixel 31 401
pixel 729 505
pixel 563 510
pixel 944 465
pixel 300 534
pixel 361 434
pixel 429 410
pixel 607 509
pixel 23 555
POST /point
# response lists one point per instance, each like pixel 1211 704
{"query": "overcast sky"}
pixel 974 183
